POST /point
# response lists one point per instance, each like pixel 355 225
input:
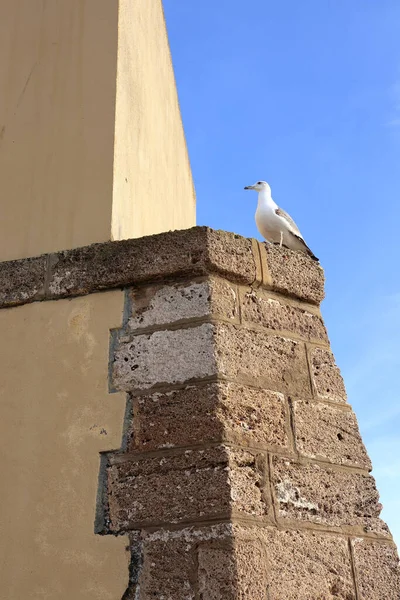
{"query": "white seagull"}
pixel 274 224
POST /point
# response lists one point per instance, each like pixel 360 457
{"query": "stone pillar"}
pixel 91 140
pixel 242 474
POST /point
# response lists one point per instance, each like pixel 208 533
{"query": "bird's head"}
pixel 260 186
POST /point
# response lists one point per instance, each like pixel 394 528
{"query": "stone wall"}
pixel 241 473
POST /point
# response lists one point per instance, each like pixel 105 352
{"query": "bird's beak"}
pixel 249 187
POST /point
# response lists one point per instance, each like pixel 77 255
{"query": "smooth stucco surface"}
pixel 83 158
pixel 57 103
pixel 56 416
pixel 153 188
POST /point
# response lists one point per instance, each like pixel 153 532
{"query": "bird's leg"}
pixel 280 244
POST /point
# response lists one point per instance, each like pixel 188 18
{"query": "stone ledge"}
pixel 199 251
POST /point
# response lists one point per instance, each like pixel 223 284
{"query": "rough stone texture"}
pixel 308 566
pixel 177 356
pixel 194 485
pixel 22 281
pixel 326 376
pixel 258 308
pixel 294 274
pixel 190 252
pixel 208 413
pixel 176 254
pixel 377 569
pixel 330 434
pixel 169 570
pixel 170 562
pixel 273 362
pixel 238 570
pixel 327 496
pixel 232 562
pixel 166 304
pixel 164 357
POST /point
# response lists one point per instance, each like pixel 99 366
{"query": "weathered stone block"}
pixel 178 356
pixel 377 570
pixel 328 433
pixel 209 413
pixel 338 498
pixel 307 566
pixel 170 561
pixel 169 570
pixel 191 252
pixel 165 357
pixel 259 359
pixel 326 376
pixel 193 485
pixel 152 306
pixel 238 570
pixel 257 307
pixel 22 281
pixel 295 274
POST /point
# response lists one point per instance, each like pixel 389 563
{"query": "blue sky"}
pixel 307 96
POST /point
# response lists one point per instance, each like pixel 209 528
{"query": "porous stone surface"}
pixel 168 574
pixel 164 357
pixel 259 308
pixel 304 565
pixel 231 256
pixel 377 570
pixel 252 357
pixel 190 252
pixel 228 562
pixel 255 358
pixel 208 413
pixel 194 485
pixel 295 274
pixel 176 254
pixel 236 570
pixel 22 281
pixel 316 494
pixel 152 306
pixel 330 434
pixel 326 376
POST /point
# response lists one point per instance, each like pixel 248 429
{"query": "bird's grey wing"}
pixel 294 230
pixel 289 220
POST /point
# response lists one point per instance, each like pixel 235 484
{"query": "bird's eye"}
pixel 259 182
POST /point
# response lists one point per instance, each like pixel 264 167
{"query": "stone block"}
pixel 255 358
pixel 326 376
pixel 330 497
pixel 165 357
pixel 22 281
pixel 377 570
pixel 295 274
pixel 257 307
pixel 170 561
pixel 191 252
pixel 169 570
pixel 155 306
pixel 304 565
pixel 236 570
pixel 230 255
pixel 252 357
pixel 193 485
pixel 330 434
pixel 209 413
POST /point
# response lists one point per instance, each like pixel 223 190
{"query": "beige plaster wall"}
pixel 57 104
pixel 83 159
pixel 56 416
pixel 151 159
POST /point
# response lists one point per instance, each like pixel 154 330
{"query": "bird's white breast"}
pixel 268 223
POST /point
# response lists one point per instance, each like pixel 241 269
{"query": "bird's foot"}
pixel 280 243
